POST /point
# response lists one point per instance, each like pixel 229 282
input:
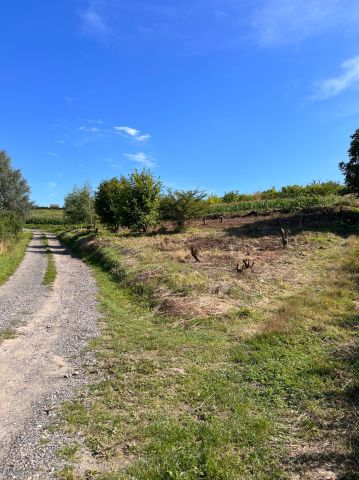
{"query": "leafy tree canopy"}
pixel 131 201
pixel 350 169
pixel 79 205
pixel 110 201
pixel 14 189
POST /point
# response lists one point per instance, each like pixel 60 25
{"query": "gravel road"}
pixel 43 364
pixel 24 293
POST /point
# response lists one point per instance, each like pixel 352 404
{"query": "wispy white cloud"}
pixel 278 22
pixel 143 138
pixel 333 86
pixel 143 158
pixel 51 184
pixel 225 24
pixel 133 133
pixel 86 129
pixel 93 23
pixel 53 154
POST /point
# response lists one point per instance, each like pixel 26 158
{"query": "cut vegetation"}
pixel 240 364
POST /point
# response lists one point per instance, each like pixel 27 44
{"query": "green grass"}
pixel 11 258
pixel 50 273
pixel 206 400
pixel 7 334
pixel 69 452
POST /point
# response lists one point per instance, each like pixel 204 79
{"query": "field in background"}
pixel 277 204
pixel 205 370
pixel 46 216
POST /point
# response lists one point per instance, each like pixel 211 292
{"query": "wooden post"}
pixel 285 239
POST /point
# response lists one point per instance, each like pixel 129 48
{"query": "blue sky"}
pixel 216 94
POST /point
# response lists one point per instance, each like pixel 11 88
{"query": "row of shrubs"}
pixel 137 201
pixel 314 189
pixel 276 204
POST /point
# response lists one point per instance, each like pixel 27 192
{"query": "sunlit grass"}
pixel 12 256
pixel 50 273
pixel 222 398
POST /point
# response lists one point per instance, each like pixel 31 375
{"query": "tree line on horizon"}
pixel 137 201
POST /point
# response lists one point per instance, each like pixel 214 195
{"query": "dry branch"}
pixel 247 265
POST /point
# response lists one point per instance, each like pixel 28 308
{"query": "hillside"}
pixel 208 370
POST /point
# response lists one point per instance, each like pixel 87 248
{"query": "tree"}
pixel 180 206
pixel 131 201
pixel 14 189
pixel 350 169
pixel 143 201
pixel 110 202
pixel 230 197
pixel 79 205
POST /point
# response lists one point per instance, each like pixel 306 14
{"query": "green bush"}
pixel 10 226
pixel 180 206
pixel 131 201
pixel 110 202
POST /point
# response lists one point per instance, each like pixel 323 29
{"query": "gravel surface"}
pixel 44 364
pixel 24 293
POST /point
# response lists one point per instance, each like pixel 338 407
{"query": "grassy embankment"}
pixel 12 256
pixel 10 259
pixel 204 373
pixel 50 273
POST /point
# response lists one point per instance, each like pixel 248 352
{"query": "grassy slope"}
pixel 12 257
pixel 206 399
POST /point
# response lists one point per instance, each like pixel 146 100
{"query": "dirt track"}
pixel 43 365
